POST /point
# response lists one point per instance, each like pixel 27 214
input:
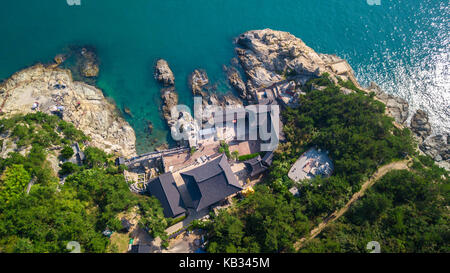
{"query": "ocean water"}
pixel 403 45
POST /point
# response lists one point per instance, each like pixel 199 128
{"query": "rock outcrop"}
pixel 54 90
pixel 268 55
pixel 170 99
pixel 163 73
pixel 89 64
pixel 169 96
pixel 230 101
pixel 397 107
pixel 435 146
pixel 197 81
pixel 438 147
pixel 235 80
pixel 420 124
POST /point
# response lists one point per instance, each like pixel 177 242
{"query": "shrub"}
pixel 68 168
pixel 14 182
pixel 95 157
pixel 67 152
pixel 248 157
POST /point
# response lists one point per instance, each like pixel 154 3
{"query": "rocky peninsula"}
pixel 52 90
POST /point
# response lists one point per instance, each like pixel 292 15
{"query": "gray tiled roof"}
pixel 267 159
pixel 255 166
pixel 165 189
pixel 211 183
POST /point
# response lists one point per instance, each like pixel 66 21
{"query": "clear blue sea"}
pixel 401 44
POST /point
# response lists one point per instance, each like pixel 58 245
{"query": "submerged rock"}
pixel 128 111
pixel 162 147
pixel 197 81
pixel 150 127
pixel 163 73
pixel 89 65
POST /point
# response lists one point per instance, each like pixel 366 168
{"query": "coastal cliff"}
pixel 52 90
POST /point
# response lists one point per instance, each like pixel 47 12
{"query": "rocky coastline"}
pixel 269 57
pixel 52 90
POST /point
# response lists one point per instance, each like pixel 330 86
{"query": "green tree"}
pixel 13 183
pixel 67 152
pixel 95 157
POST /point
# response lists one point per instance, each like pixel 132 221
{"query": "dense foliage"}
pixel 360 138
pixel 354 130
pixel 14 180
pixel 78 206
pixel 406 211
pixel 263 222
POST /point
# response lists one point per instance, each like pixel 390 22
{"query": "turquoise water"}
pixel 402 45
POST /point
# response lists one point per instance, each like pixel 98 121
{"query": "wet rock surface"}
pixel 89 67
pixel 197 81
pixel 235 80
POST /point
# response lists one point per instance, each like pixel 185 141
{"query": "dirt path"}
pixel 400 165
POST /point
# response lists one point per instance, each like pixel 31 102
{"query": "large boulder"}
pixel 420 124
pixel 170 100
pixel 197 81
pixel 235 80
pixel 438 147
pixel 163 73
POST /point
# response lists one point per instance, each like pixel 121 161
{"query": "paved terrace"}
pixel 180 160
